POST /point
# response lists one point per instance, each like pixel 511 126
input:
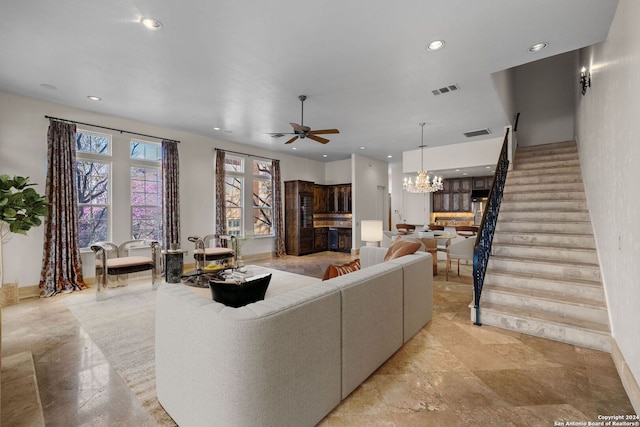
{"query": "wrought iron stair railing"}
pixel 487 229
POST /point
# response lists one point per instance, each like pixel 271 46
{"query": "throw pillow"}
pixel 238 294
pixel 401 247
pixel 338 270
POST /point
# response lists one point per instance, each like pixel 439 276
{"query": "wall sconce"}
pixel 371 232
pixel 585 80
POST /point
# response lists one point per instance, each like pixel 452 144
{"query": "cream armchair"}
pixel 461 249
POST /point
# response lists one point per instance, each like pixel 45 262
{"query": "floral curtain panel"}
pixel 277 203
pixel 61 263
pixel 221 209
pixel 171 194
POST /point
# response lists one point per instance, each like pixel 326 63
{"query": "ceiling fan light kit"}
pixel 300 131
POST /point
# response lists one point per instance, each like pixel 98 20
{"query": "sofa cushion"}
pixel 338 270
pixel 234 294
pixel 401 247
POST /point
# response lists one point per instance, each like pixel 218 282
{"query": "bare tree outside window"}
pixel 262 198
pixel 92 180
pixel 146 191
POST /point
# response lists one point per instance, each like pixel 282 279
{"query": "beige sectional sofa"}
pixel 290 359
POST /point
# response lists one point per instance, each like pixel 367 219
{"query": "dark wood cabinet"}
pixel 344 239
pixel 321 241
pixel 455 195
pixel 320 198
pixel 303 199
pixel 298 211
pixel 338 198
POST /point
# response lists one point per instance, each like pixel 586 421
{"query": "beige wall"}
pixel 23 151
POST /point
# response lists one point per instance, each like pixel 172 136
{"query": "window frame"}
pixel 106 159
pixel 258 178
pixel 135 162
pixel 238 175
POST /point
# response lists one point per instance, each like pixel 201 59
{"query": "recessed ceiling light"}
pixel 216 128
pixel 464 173
pixel 389 156
pixel 435 45
pixel 94 98
pixel 538 47
pixel 457 170
pixel 324 155
pixel 488 167
pixel 362 147
pixel 294 148
pixel 150 23
pixel 48 86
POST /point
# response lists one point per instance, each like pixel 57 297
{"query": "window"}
pixel 234 193
pixel 146 191
pixel 262 198
pixel 93 176
pixel 251 187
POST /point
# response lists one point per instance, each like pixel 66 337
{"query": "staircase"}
pixel 543 276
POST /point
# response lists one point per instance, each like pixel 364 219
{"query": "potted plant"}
pixel 21 208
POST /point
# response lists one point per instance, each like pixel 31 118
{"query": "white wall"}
pixel 608 130
pixel 23 151
pixel 462 155
pixel 338 172
pixel 544 98
pixel 504 83
pixel 368 176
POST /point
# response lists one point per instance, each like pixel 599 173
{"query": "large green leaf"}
pixel 20 205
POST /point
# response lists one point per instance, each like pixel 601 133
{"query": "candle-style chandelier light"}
pixel 423 184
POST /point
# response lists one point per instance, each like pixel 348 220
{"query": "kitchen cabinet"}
pixel 344 240
pixel 321 241
pixel 482 182
pixel 320 198
pixel 455 196
pixel 339 198
pixel 300 235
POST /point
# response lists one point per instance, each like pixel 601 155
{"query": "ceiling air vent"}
pixel 478 132
pixel 445 89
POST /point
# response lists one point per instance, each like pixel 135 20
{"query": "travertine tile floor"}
pixel 451 373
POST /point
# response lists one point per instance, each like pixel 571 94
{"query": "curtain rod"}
pixel 246 154
pixel 104 127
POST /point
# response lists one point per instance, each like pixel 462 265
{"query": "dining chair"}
pixel 461 249
pixel 466 230
pixel 405 228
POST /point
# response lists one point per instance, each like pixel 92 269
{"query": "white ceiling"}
pixel 240 65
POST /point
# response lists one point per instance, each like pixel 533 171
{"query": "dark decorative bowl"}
pixel 234 294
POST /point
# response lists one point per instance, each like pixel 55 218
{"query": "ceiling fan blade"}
pixel 323 131
pixel 292 139
pixel 278 133
pixel 297 127
pixel 319 139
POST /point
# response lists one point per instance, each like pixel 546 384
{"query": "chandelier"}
pixel 422 184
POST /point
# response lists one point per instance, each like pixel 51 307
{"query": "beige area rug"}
pixel 123 327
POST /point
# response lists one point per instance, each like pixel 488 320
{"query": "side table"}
pixel 173 265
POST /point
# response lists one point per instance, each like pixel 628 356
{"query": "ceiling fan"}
pixel 301 131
